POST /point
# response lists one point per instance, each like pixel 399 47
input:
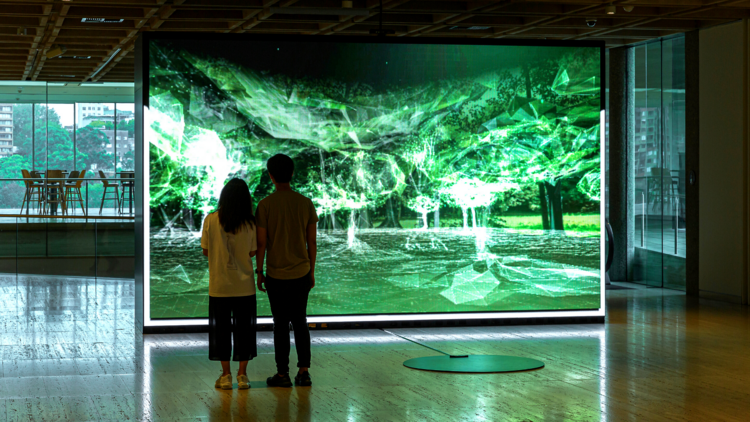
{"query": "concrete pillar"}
pixel 692 163
pixel 622 160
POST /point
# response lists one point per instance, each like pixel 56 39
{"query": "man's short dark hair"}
pixel 281 168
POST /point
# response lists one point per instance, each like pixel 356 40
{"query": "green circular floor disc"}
pixel 474 363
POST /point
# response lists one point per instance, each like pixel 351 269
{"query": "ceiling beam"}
pixel 348 21
pixel 446 20
pixel 34 50
pixel 127 44
pixel 255 17
pixel 58 16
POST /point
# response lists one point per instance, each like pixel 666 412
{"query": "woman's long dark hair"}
pixel 235 206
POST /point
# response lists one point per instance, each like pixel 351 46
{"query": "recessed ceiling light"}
pixel 469 28
pixel 101 20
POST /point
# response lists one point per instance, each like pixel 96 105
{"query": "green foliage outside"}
pixel 53 149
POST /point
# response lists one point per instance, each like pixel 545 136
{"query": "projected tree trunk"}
pixel 554 207
pixel 543 205
pixel 392 214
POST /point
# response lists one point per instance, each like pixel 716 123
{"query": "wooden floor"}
pixel 69 353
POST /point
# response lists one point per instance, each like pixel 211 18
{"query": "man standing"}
pixel 287 231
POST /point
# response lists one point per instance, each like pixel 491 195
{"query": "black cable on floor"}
pixel 423 345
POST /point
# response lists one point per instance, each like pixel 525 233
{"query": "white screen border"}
pixel 149 322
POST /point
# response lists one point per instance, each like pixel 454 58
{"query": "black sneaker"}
pixel 303 379
pixel 279 381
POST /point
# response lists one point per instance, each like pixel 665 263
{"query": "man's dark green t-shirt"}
pixel 285 215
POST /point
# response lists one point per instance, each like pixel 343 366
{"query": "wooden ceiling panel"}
pixel 9 21
pixel 203 14
pixel 30 29
pixel 171 25
pixel 283 26
pixel 80 12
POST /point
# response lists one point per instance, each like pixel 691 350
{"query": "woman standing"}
pixel 229 241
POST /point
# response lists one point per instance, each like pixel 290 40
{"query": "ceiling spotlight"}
pixel 628 8
pixel 56 50
pixel 610 10
pixel 21 31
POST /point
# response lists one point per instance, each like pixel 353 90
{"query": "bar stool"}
pixel 127 191
pixel 33 190
pixel 73 189
pixel 115 187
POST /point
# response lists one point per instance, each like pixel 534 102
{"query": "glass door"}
pixel 648 166
pixel 659 143
pixel 673 158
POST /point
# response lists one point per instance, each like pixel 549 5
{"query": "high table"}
pixel 53 191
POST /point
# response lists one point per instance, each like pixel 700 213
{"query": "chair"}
pixel 33 189
pixel 115 187
pixel 127 191
pixel 73 189
pixel 72 177
pixel 55 191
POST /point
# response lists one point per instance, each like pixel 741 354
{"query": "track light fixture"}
pixel 56 50
pixel 610 10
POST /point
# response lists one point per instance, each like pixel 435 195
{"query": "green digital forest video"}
pixel 447 178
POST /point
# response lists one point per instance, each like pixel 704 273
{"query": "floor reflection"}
pixel 69 352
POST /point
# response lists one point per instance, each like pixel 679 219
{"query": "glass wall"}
pixel 125 138
pixel 659 141
pixel 673 158
pixel 69 127
pixel 39 135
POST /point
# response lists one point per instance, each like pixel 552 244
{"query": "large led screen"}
pixel 447 178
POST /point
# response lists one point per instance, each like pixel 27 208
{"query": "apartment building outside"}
pixel 6 130
pixel 86 113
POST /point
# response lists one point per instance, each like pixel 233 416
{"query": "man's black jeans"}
pixel 288 300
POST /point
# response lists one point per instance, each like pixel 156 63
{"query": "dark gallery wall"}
pixel 722 239
pixel 139 182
